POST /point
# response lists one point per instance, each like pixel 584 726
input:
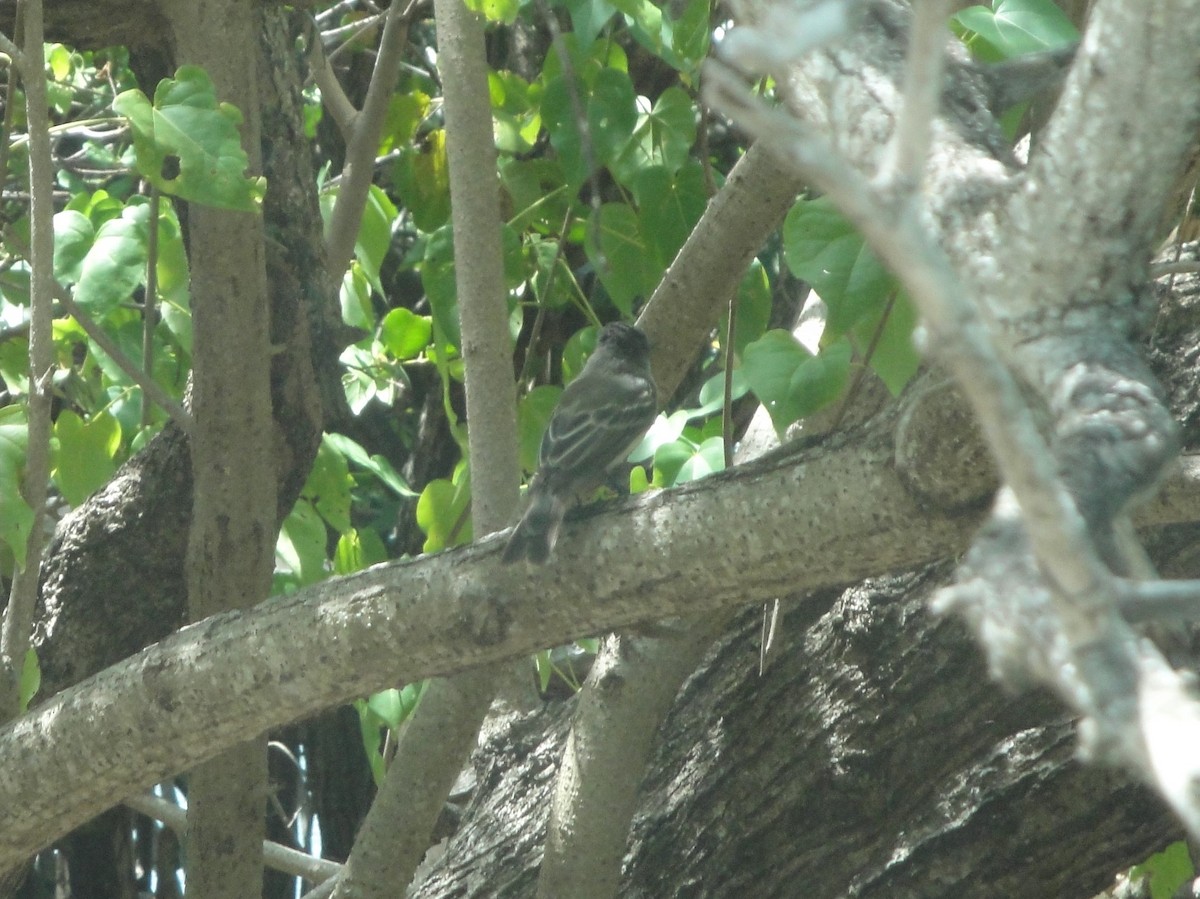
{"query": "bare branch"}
pixel 346 217
pixel 18 614
pixel 277 856
pixel 904 165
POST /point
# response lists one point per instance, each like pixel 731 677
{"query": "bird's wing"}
pixel 591 431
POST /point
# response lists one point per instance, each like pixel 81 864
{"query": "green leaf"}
pixel 1013 28
pixel 1168 870
pixel 115 263
pixel 73 236
pixel 588 17
pixel 58 58
pixel 188 144
pixel 826 251
pixel 17 519
pixel 579 346
pixel 895 359
pixel 14 364
pixel 638 481
pixel 753 309
pixel 441 512
pixel 587 58
pixel 611 114
pixel 533 415
pixel 385 710
pixel 665 430
pixel 394 706
pixel 422 177
pixel 627 266
pixel 517 120
pixel 547 257
pixel 610 108
pixel 438 279
pixel 538 194
pixel 328 487
pixel 174 277
pixel 562 126
pixel 360 380
pixel 300 549
pixel 405 114
pixel 669 206
pixel 375 464
pixel 358 549
pixel 819 380
pixel 649 28
pixel 405 334
pixel 712 394
pixel 663 136
pixel 790 382
pixel 354 298
pixel 369 726
pixel 692 34
pixel 31 679
pixel 669 459
pixel 502 11
pixel 706 459
pixel 769 364
pixel 375 234
pixel 517 266
pixel 86 453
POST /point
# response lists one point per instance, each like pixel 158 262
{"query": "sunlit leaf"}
pixel 188 145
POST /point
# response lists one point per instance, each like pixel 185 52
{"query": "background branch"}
pixel 18 614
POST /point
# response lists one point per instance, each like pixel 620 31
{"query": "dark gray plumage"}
pixel 600 418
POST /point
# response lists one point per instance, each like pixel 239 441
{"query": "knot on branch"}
pixel 1113 437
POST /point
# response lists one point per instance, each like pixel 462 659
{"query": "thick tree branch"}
pixel 1111 436
pixel 231 547
pixel 184 699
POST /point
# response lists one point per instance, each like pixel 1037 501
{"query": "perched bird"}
pixel 600 418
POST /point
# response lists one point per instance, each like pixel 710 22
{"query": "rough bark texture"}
pixel 113 579
pixel 874 758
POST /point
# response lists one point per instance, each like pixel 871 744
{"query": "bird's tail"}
pixel 535 534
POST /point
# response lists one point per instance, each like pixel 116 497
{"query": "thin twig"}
pixel 351 30
pixel 1143 601
pixel 333 97
pixel 904 164
pixel 14 52
pixel 1179 267
pixel 861 373
pixel 149 386
pixel 281 858
pixel 727 399
pixel 18 614
pixel 150 299
pixel 346 217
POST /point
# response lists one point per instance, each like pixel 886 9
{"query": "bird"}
pixel 602 415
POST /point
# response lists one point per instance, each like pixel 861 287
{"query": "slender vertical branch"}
pixel 231 542
pixel 150 301
pixel 437 740
pixel 18 615
pixel 365 132
pixel 905 161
